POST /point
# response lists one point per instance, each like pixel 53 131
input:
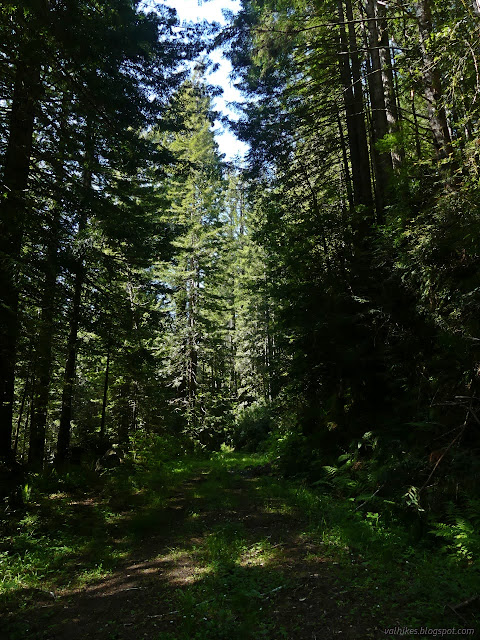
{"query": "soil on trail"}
pixel 225 561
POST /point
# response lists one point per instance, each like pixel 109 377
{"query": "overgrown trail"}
pixel 226 554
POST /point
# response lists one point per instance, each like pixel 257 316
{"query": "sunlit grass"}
pixel 259 554
pixel 92 574
pixel 71 536
pixel 65 536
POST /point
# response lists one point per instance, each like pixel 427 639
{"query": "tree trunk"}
pixel 12 224
pixel 383 161
pixel 63 440
pixel 418 146
pixel 41 391
pixel 105 390
pixel 353 99
pixel 125 421
pixel 22 407
pixel 44 349
pixel 433 86
pixel 346 168
pixel 268 349
pixel 378 33
pixel 192 371
pixel 192 364
pixel 390 89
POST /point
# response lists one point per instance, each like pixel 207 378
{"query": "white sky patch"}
pixel 211 10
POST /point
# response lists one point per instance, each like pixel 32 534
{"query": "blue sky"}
pixel 211 10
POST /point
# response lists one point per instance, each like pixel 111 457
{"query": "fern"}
pixel 461 532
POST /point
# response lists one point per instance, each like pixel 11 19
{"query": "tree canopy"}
pixel 318 300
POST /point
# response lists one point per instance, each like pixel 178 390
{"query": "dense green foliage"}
pixel 318 304
pixel 362 121
pixel 230 570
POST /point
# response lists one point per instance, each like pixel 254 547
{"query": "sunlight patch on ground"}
pixel 259 554
pixel 279 508
pixel 182 568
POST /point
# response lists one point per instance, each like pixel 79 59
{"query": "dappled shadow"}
pixel 216 561
pixel 151 596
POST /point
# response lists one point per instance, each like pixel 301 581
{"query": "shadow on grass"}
pixel 222 582
pixel 202 563
pixel 211 553
pixel 69 536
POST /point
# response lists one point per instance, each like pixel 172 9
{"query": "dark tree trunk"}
pixel 383 161
pixel 268 351
pixel 12 224
pixel 233 352
pixel 360 126
pixel 192 371
pixel 433 86
pixel 388 76
pixel 64 431
pixel 105 391
pixel 353 98
pixel 44 349
pixel 192 364
pixel 41 391
pixel 28 418
pixel 418 146
pixel 63 441
pixel 21 410
pixel 126 413
pixel 381 61
pixel 346 168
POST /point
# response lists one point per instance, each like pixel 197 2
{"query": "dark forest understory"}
pixel 223 548
pixel 240 399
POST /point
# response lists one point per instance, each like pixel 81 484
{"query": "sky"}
pixel 211 10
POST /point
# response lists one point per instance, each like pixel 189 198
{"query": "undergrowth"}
pixel 78 527
pixel 414 578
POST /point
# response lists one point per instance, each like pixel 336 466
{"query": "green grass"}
pixel 64 537
pixel 230 599
pixel 381 558
pixel 78 528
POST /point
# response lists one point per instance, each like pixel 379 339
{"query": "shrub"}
pixel 252 426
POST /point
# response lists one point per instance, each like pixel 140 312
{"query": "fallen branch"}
pixel 368 499
pixel 458 614
pixel 267 593
pixel 465 603
pixel 443 455
pixel 171 613
pixel 459 434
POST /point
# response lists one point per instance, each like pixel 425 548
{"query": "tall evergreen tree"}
pixel 195 191
pixel 115 81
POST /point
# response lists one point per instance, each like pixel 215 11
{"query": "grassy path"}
pixel 218 550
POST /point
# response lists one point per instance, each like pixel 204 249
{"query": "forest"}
pixel 240 399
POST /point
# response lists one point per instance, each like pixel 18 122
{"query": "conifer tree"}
pixel 196 194
pixel 78 94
